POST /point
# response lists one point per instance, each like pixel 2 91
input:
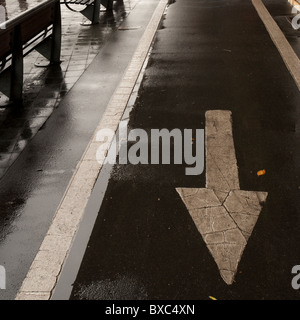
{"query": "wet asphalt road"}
pixel 207 55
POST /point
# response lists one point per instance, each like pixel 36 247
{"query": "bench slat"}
pixel 36 24
pixel 5 47
pixel 82 2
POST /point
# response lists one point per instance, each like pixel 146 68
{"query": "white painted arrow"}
pixel 224 215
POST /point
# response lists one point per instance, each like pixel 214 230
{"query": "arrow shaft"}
pixel 221 163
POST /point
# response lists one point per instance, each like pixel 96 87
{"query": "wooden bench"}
pixel 38 28
pixel 89 8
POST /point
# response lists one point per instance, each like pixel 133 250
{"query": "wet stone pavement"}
pixel 14 7
pixel 45 87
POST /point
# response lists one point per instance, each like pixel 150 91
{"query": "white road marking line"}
pixel 223 214
pixel 286 51
pixel 45 269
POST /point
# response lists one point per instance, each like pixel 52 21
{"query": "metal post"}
pixel 110 5
pixel 96 11
pixel 56 35
pixel 16 84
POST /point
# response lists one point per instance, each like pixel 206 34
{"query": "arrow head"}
pixel 225 222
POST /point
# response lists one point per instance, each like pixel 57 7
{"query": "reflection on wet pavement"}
pixel 15 7
pixel 45 87
pixel 121 288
